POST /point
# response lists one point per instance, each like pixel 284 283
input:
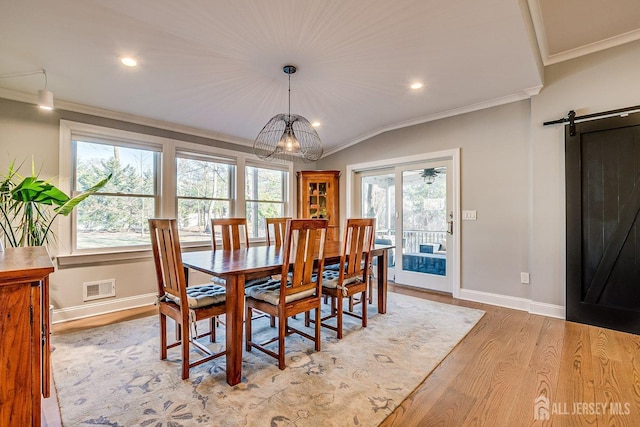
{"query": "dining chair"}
pixel 185 305
pixel 276 229
pixel 297 291
pixel 234 235
pixel 352 276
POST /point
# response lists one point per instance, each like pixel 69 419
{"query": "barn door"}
pixel 603 216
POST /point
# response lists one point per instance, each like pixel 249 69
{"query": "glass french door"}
pixel 414 213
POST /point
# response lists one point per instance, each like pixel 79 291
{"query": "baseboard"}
pixel 523 304
pixel 102 307
pixel 549 310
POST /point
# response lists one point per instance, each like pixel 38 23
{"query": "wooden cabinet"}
pixel 318 197
pixel 24 334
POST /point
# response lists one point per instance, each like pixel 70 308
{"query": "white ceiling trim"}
pixel 592 48
pixel 525 94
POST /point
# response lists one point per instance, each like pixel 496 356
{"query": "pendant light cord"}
pixel 289 97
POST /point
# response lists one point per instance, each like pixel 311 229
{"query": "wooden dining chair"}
pixel 234 235
pixel 276 229
pixel 297 291
pixel 352 276
pixel 185 305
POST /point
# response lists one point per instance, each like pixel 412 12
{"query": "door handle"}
pixel 450 224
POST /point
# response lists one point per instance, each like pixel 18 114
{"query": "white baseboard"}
pixel 102 307
pixel 549 310
pixel 524 304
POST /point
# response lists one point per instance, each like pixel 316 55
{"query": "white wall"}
pixel 602 81
pixel 494 182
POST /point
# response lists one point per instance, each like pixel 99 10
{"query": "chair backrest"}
pixel 165 244
pixel 303 244
pixel 233 231
pixel 359 235
pixel 276 231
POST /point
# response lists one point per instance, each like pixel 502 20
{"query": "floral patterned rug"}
pixel 113 376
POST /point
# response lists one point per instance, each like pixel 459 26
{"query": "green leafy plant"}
pixel 29 205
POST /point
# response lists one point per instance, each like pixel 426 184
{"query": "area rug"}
pixel 113 376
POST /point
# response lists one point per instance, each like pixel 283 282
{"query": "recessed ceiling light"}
pixel 315 124
pixel 129 61
pixel 417 85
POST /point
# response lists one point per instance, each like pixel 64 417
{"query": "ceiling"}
pixel 214 67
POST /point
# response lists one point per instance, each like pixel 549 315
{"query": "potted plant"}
pixel 29 205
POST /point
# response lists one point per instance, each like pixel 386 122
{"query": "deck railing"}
pixel 412 239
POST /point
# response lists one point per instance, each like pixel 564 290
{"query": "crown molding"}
pixel 524 94
pixel 125 117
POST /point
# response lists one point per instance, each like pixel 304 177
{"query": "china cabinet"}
pixel 318 197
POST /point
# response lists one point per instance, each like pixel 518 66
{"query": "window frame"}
pixel 194 155
pixel 157 161
pixel 167 200
pixel 284 192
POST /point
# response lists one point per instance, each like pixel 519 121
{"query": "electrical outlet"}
pixel 524 278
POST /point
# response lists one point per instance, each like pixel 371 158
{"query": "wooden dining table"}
pixel 238 266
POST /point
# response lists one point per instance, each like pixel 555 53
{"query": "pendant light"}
pixel 45 97
pixel 288 136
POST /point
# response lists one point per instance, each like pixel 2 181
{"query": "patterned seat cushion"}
pixel 270 292
pixel 203 296
pixel 330 279
pixel 249 283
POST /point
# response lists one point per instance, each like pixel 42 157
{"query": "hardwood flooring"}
pixel 590 376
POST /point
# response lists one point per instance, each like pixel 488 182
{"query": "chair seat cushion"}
pixel 249 283
pixel 330 279
pixel 332 267
pixel 270 292
pixel 203 296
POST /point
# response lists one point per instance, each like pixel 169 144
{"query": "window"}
pixel 265 195
pixel 154 176
pixel 204 190
pixel 117 215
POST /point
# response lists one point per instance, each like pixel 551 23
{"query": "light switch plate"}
pixel 468 215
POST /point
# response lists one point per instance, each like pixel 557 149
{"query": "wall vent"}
pixel 99 289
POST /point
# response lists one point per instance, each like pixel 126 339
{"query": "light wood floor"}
pixel 495 374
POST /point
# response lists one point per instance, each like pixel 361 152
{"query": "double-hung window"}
pixel 266 192
pixel 204 189
pixel 117 215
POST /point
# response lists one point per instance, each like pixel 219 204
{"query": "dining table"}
pixel 240 265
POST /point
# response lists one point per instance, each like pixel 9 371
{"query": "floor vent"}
pixel 99 289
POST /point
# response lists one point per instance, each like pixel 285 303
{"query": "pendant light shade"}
pixel 45 99
pixel 288 136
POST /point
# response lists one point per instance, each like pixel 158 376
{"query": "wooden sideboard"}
pixel 24 334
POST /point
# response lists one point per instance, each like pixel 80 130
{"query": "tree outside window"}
pixel 265 197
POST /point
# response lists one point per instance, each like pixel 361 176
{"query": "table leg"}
pixel 382 281
pixel 235 315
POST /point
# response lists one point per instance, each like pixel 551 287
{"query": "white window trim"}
pixel 167 206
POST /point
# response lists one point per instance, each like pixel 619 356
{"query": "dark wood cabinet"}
pixel 318 197
pixel 24 334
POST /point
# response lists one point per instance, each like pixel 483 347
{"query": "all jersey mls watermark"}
pixel 544 410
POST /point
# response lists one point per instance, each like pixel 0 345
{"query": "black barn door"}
pixel 603 223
